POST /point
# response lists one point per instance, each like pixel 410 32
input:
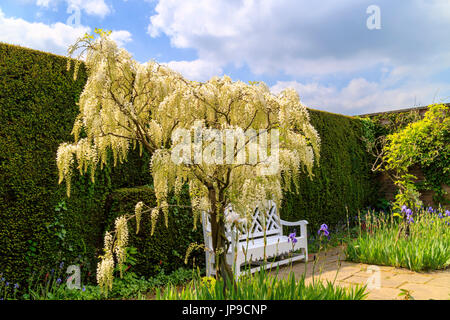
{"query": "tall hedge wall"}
pixel 37 111
pixel 40 227
pixel 166 248
pixel 342 178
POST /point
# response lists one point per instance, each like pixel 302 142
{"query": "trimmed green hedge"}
pixel 166 248
pixel 343 178
pixel 37 111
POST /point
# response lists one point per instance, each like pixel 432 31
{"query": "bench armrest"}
pixel 301 223
pixel 296 223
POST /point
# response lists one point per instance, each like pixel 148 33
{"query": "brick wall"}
pixel 388 188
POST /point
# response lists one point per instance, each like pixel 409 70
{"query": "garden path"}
pixel 384 282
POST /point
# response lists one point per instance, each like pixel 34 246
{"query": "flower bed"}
pixel 422 244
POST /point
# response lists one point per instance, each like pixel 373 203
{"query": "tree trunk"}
pixel 219 240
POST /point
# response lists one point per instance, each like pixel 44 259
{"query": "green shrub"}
pixel 413 126
pixel 54 287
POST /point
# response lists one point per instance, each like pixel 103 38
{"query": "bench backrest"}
pixel 264 223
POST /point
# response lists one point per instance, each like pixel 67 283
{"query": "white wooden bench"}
pixel 261 242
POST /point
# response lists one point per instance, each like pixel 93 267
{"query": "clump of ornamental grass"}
pixel 415 239
pixel 261 286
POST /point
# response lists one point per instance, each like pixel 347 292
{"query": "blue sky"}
pixel 324 49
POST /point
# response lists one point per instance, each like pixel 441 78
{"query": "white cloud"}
pixel 54 38
pixel 360 96
pixel 91 7
pixel 199 70
pixel 318 40
pixel 43 3
pixel 307 38
pixel 121 37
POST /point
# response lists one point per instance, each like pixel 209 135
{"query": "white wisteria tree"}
pixel 186 126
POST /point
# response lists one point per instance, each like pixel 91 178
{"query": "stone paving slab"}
pixel 426 292
pixel 442 281
pixel 385 294
pixel 384 282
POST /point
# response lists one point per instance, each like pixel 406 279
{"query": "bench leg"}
pixel 209 264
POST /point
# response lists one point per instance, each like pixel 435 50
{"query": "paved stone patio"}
pixel 331 266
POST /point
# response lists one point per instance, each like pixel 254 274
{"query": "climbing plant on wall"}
pixel 426 143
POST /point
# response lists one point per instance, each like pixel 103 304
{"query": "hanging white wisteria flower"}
pixel 105 268
pixel 138 214
pixel 120 246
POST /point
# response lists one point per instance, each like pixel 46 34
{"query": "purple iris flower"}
pixel 324 230
pixel 430 209
pixel 58 280
pixel 410 219
pixel 292 237
pixel 404 208
pixel 447 213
